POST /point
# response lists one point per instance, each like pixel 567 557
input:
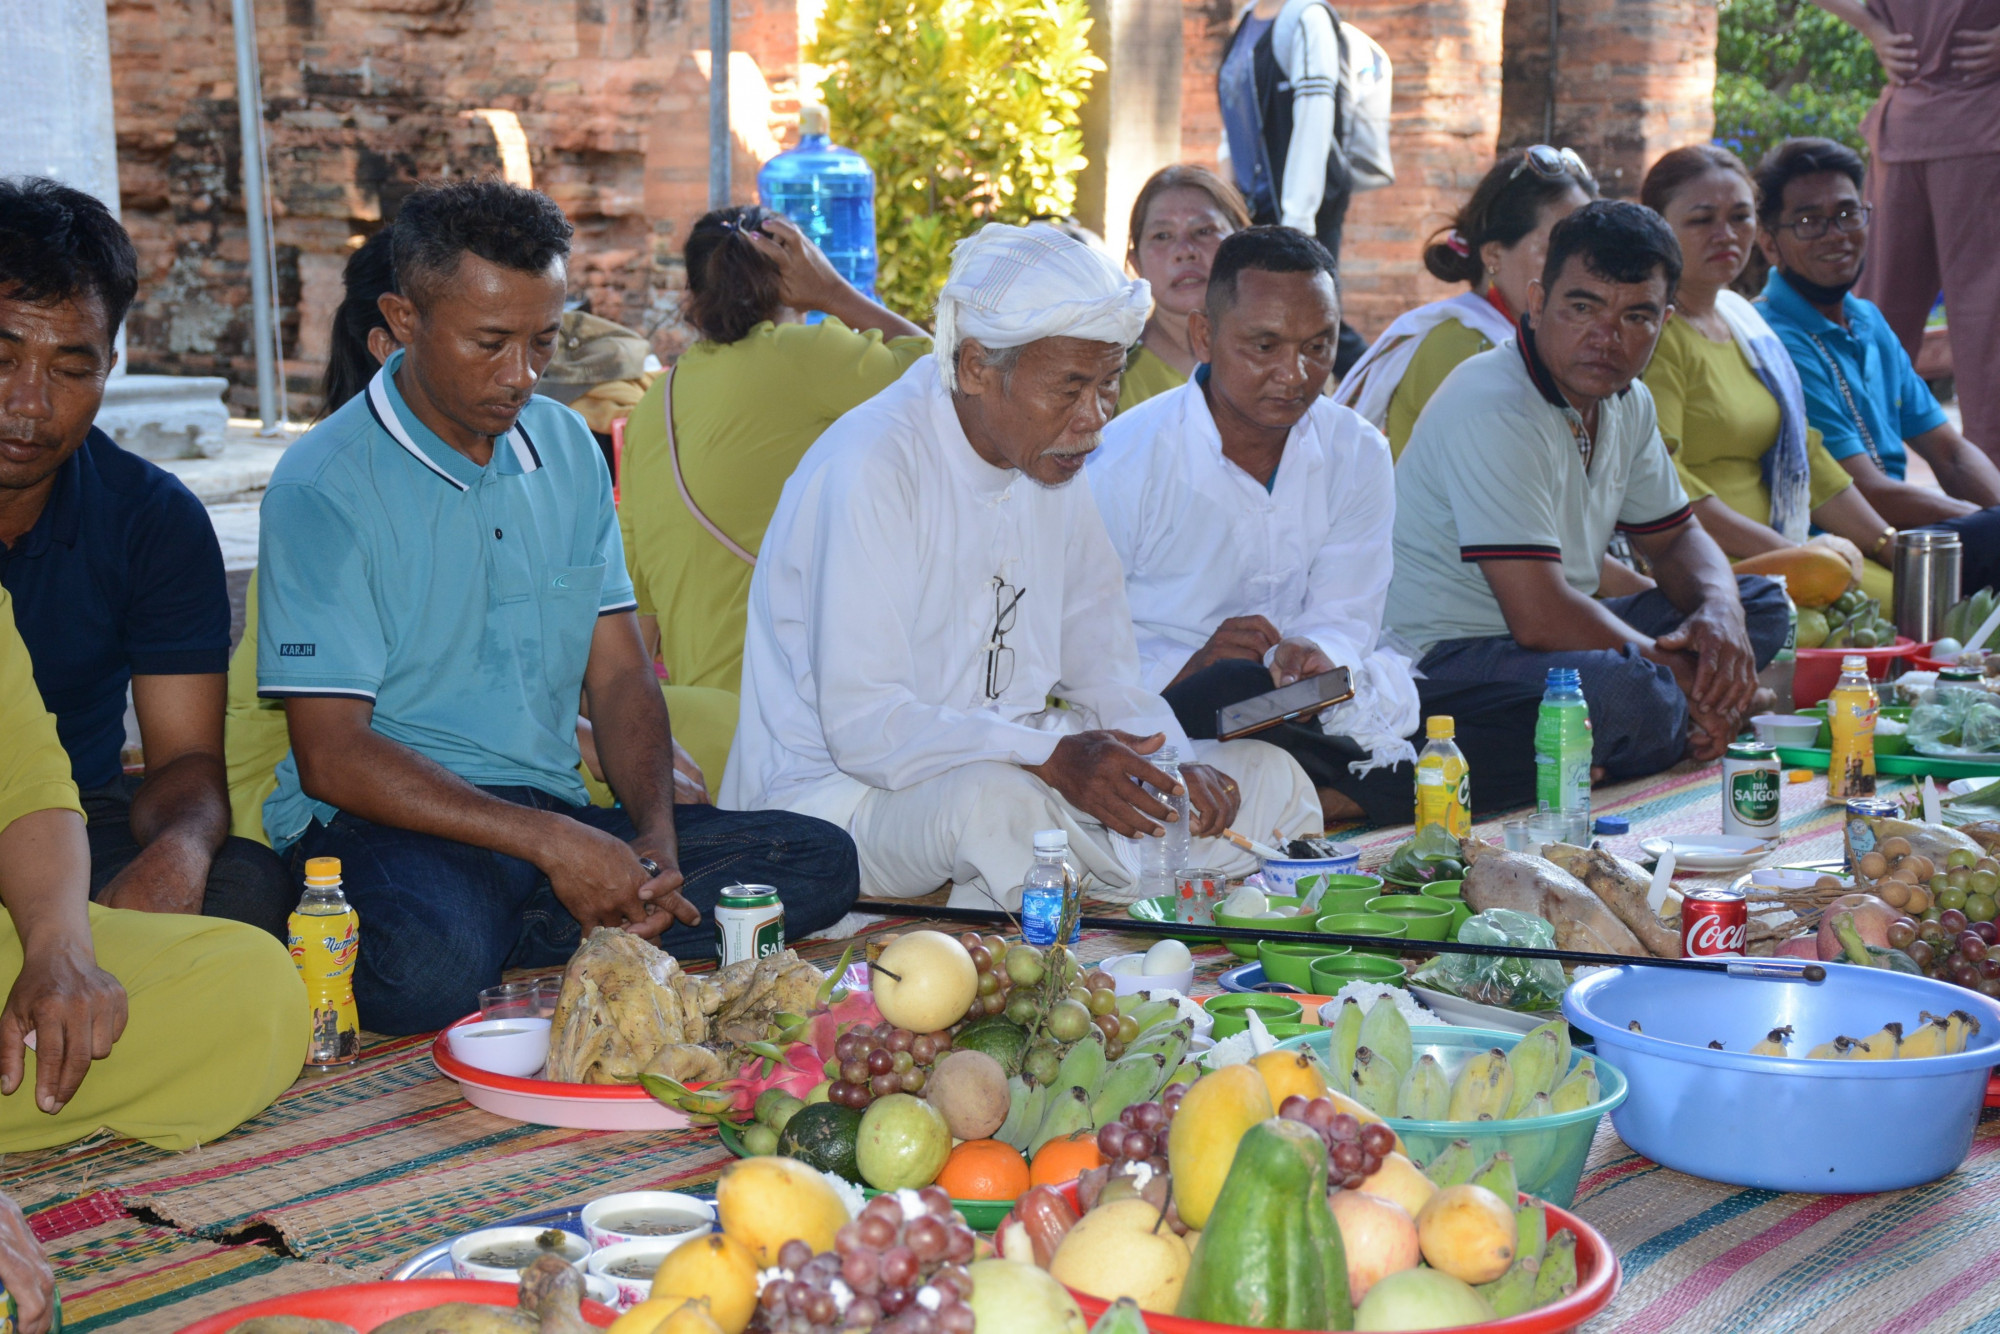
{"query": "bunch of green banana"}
pixel 1933 1035
pixel 1968 614
pixel 1544 1267
pixel 1088 1090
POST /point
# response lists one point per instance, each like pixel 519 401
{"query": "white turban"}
pixel 1010 286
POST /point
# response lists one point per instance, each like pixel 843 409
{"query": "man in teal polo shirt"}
pixel 1861 391
pixel 441 582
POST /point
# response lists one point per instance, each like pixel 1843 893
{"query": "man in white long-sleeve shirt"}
pixel 1254 519
pixel 936 573
pixel 1278 90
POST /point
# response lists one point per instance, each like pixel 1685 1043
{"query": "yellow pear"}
pixel 766 1202
pixel 667 1315
pixel 717 1267
pixel 1115 1251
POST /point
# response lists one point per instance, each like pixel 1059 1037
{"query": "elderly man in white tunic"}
pixel 939 655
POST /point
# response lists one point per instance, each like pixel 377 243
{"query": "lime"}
pixel 822 1135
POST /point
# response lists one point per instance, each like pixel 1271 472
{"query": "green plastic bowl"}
pixel 1365 924
pixel 1338 882
pixel 1283 1031
pixel 1247 949
pixel 1347 900
pixel 1228 1011
pixel 1330 975
pixel 1548 1150
pixel 1290 962
pixel 1452 892
pixel 1427 920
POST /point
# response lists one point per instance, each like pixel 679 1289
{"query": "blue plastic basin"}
pixel 1787 1123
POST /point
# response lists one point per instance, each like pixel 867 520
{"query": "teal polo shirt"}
pixel 461 600
pixel 1861 390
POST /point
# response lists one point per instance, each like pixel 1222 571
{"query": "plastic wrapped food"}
pixel 1955 722
pixel 1514 984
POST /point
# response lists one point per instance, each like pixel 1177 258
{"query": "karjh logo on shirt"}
pixel 298 650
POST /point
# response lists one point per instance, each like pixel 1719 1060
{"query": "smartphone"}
pixel 1300 699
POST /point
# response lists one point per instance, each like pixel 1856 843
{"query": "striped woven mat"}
pixel 349 1174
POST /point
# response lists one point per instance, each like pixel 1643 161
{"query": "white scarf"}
pixel 1369 386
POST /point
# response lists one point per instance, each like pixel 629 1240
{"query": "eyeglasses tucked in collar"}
pixel 1553 164
pixel 1852 219
pixel 1000 658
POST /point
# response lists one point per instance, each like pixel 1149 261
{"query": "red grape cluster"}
pixel 1354 1151
pixel 1952 948
pixel 989 955
pixel 886 1273
pixel 871 1062
pixel 1139 1134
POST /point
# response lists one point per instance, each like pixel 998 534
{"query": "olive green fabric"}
pixel 254 735
pixel 1146 376
pixel 744 413
pixel 1436 357
pixel 36 777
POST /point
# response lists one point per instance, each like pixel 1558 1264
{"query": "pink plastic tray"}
pixel 366 1305
pixel 543 1102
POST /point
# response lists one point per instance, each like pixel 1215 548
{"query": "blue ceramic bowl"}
pixel 1787 1123
pixel 1282 876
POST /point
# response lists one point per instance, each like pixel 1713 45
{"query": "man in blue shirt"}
pixel 441 582
pixel 1861 390
pixel 116 578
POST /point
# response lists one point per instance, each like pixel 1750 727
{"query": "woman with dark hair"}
pixel 361 339
pixel 1729 400
pixel 709 447
pixel 1181 215
pixel 1495 246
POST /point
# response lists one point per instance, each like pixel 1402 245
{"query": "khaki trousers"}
pixel 975 826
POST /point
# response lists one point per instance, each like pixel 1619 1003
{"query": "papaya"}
pixel 1271 1257
pixel 1814 575
pixel 1201 1143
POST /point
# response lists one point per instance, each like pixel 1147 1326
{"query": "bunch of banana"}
pixel 1090 1091
pixel 1372 1061
pixel 1934 1035
pixel 1544 1268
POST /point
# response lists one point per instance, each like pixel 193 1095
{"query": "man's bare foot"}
pixel 1338 807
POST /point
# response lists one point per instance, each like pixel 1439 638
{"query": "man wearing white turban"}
pixel 939 654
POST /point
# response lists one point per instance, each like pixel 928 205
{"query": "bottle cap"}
pixel 812 119
pixel 1564 676
pixel 1439 727
pixel 1853 662
pixel 1611 824
pixel 1051 840
pixel 322 870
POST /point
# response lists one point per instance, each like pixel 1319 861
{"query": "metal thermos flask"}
pixel 1926 568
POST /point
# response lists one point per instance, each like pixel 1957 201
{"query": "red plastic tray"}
pixel 1598 1277
pixel 366 1305
pixel 1993 1091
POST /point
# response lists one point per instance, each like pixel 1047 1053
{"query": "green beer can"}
pixel 750 921
pixel 1750 785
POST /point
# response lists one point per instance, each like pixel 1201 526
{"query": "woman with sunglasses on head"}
pixel 1495 246
pixel 1181 215
pixel 1730 405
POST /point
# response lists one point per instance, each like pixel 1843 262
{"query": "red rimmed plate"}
pixel 544 1102
pixel 366 1305
pixel 1598 1277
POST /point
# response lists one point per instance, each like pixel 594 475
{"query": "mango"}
pixel 1213 1116
pixel 1119 1250
pixel 1468 1233
pixel 765 1202
pixel 717 1267
pixel 1290 1073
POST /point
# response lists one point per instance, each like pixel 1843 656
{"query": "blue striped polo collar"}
pixel 393 415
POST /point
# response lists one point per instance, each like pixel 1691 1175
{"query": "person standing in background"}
pixel 1934 182
pixel 1181 215
pixel 1278 91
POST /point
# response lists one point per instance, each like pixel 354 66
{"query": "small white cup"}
pixel 574 1249
pixel 668 1203
pixel 517 1046
pixel 630 1291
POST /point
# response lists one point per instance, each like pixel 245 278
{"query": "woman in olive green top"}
pixel 747 400
pixel 1181 215
pixel 1756 473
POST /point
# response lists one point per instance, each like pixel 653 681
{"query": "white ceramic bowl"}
pixel 1791 731
pixel 630 1291
pixel 517 1046
pixel 574 1249
pixel 1282 877
pixel 698 1213
pixel 1127 983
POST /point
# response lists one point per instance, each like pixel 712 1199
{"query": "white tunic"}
pixel 1202 540
pixel 873 607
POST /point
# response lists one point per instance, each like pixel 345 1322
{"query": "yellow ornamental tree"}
pixel 969 112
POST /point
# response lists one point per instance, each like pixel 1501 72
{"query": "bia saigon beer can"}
pixel 751 922
pixel 1750 780
pixel 1713 922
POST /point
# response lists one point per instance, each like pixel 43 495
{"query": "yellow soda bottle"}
pixel 325 936
pixel 1850 711
pixel 1444 786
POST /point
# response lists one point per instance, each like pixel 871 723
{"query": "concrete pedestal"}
pixel 166 416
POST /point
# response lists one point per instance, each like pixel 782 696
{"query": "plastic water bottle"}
pixel 1444 785
pixel 1049 882
pixel 1563 754
pixel 830 193
pixel 1160 857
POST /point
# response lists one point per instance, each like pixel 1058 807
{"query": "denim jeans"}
pixel 440 920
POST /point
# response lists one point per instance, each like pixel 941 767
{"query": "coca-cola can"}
pixel 1713 922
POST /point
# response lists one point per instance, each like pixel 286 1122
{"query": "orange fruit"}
pixel 984 1169
pixel 1065 1159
